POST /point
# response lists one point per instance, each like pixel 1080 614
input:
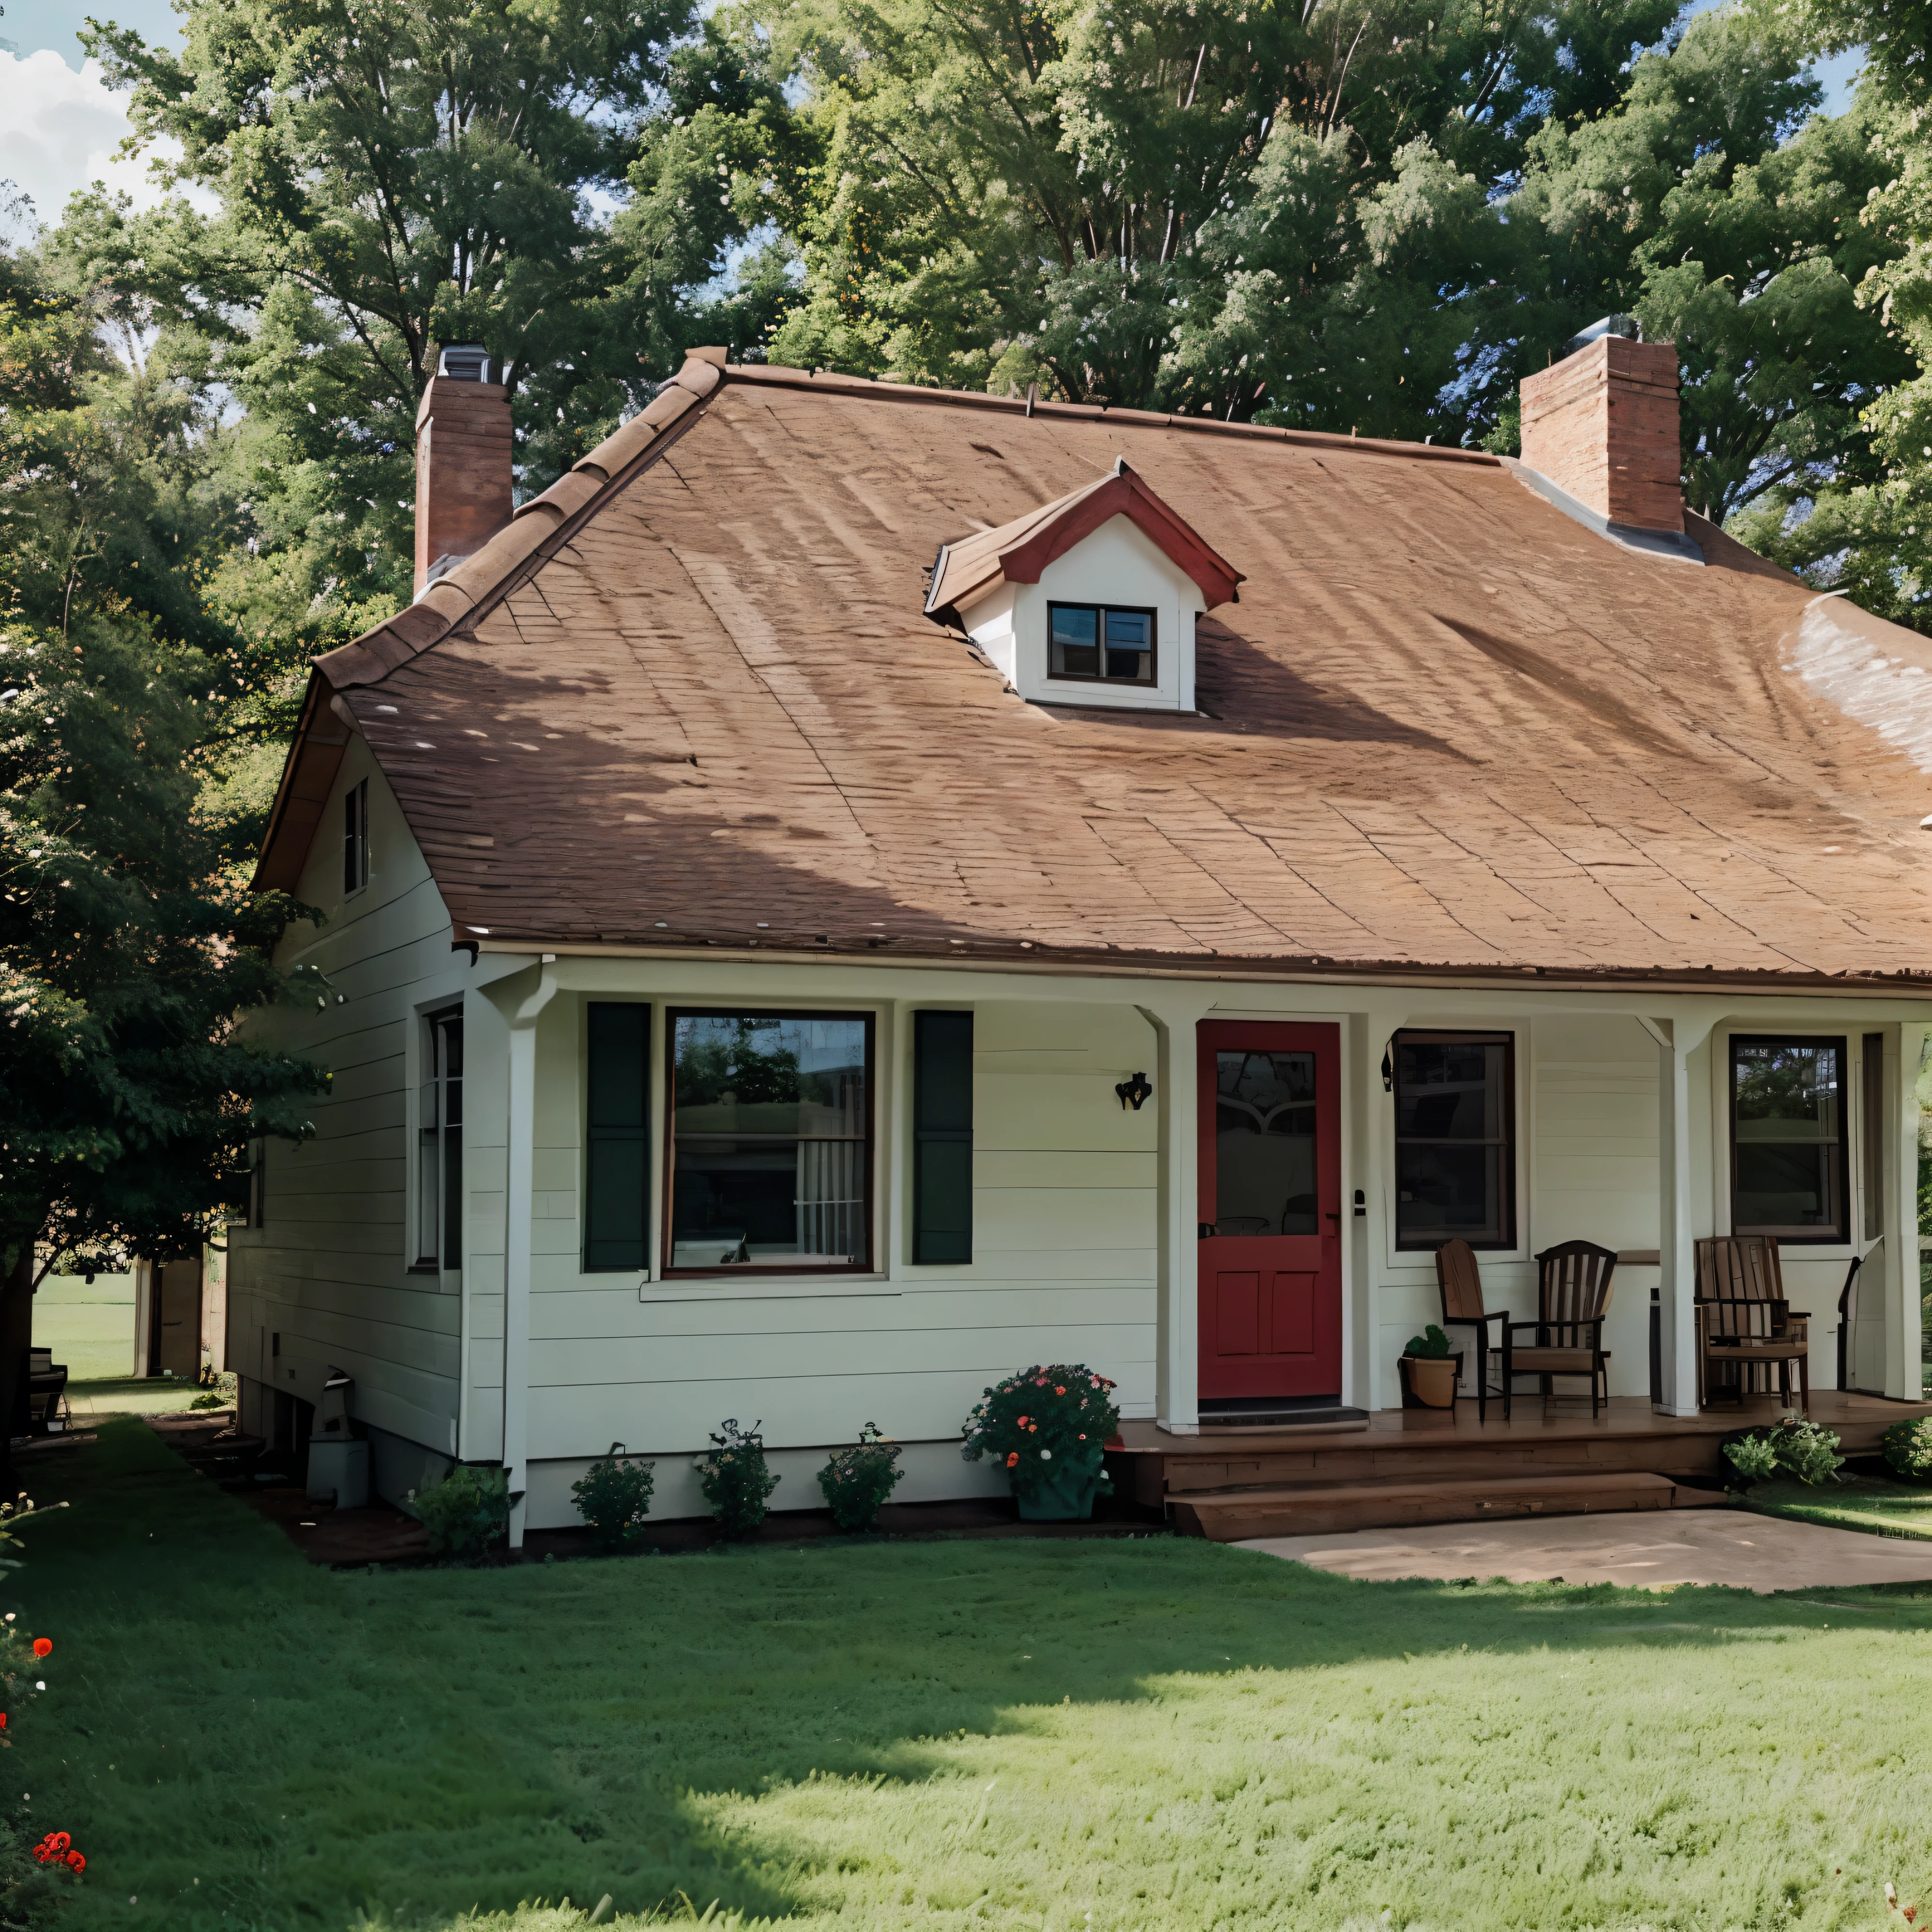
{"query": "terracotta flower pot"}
pixel 1431 1379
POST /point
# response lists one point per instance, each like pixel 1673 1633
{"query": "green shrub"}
pixel 1908 1448
pixel 613 1498
pixel 210 1400
pixel 735 1479
pixel 858 1481
pixel 465 1512
pixel 1037 1422
pixel 1431 1345
pixel 1795 1447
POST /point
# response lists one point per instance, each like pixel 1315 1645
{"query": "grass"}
pixel 127 1395
pixel 1873 1504
pixel 873 1734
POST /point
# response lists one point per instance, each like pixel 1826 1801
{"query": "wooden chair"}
pixel 1745 1326
pixel 1460 1281
pixel 1848 1322
pixel 1572 1298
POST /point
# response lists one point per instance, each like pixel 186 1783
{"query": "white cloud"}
pixel 59 132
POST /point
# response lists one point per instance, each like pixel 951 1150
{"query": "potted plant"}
pixel 1428 1370
pixel 1048 1428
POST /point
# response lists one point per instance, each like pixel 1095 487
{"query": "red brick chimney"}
pixel 462 460
pixel 1601 424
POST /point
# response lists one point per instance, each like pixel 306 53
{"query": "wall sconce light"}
pixel 1388 1072
pixel 1133 1092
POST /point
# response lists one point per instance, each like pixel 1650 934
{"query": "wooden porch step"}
pixel 1233 1516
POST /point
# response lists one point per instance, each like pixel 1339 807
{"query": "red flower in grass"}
pixel 43 1646
pixel 54 1848
pixel 76 1862
pixel 3 1720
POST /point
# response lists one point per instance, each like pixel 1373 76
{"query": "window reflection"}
pixel 771 1144
pixel 1264 1143
pixel 1788 1167
pixel 1455 1162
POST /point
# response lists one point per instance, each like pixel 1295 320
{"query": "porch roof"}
pixel 689 695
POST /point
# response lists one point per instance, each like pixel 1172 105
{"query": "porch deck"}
pixel 1420 1466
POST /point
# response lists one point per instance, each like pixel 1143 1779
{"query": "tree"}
pixel 126 950
pixel 395 175
pixel 1010 194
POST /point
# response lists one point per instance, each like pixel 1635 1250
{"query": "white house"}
pixel 858 888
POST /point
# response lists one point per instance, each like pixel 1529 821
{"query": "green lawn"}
pixel 1873 1504
pixel 1157 1733
pixel 89 1325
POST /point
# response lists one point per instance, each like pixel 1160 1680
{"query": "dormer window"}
pixel 1090 600
pixel 1090 644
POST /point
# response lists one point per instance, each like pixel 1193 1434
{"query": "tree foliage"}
pixel 126 950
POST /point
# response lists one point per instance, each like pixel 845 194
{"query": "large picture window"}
pixel 771 1141
pixel 1789 1172
pixel 1455 1150
pixel 1098 643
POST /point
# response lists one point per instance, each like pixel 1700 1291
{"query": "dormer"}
pixel 1088 600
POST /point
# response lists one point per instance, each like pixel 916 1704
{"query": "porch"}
pixel 1408 1466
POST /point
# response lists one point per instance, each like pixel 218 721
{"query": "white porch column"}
pixel 1677 1276
pixel 1177 1384
pixel 1904 1374
pixel 521 1180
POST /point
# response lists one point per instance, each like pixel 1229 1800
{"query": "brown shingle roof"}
pixel 689 694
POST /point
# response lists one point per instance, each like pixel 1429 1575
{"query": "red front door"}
pixel 1270 1232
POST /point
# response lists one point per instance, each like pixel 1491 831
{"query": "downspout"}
pixel 521 1180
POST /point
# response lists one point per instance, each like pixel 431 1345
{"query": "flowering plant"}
pixel 858 1481
pixel 1043 1422
pixel 736 1478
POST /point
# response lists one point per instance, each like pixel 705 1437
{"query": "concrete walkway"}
pixel 1648 1548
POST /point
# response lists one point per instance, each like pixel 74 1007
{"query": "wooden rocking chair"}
pixel 1745 1326
pixel 1460 1281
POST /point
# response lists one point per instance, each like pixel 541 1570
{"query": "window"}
pixel 258 1183
pixel 617 1137
pixel 1788 1165
pixel 1096 642
pixel 942 1129
pixel 355 838
pixel 439 1148
pixel 1264 1143
pixel 771 1140
pixel 1455 1156
pixel 1873 1098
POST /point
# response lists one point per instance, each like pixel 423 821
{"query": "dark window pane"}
pixel 1454 1162
pixel 1130 645
pixel 1075 641
pixel 1788 1138
pixel 771 1158
pixel 1264 1143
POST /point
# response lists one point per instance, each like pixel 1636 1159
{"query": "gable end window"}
pixel 1455 1139
pixel 1788 1173
pixel 1100 643
pixel 770 1141
pixel 355 838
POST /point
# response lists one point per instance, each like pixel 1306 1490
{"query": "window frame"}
pixel 1840 1235
pixel 1510 1239
pixel 1150 682
pixel 439 1263
pixel 1871 1116
pixel 667 1170
pixel 356 838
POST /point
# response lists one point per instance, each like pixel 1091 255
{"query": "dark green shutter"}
pixel 616 1139
pixel 942 1168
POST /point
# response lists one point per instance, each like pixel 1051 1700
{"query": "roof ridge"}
pixel 535 530
pixel 778 375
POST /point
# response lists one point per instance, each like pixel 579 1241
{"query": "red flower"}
pixel 1060 1391
pixel 3 1720
pixel 53 1848
pixel 43 1646
pixel 1013 1458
